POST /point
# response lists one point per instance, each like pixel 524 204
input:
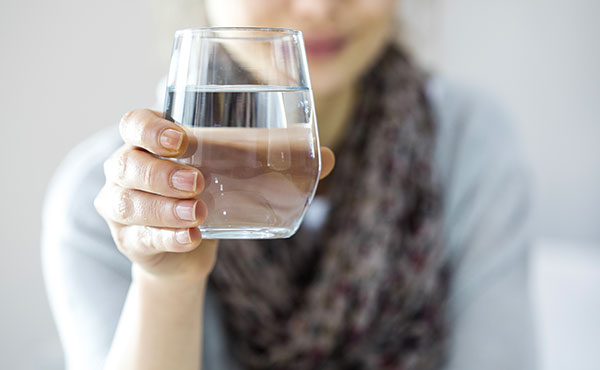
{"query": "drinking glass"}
pixel 244 97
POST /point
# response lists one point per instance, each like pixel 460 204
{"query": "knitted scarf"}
pixel 368 290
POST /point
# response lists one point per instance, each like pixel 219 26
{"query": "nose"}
pixel 315 10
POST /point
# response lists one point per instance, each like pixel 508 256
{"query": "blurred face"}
pixel 342 37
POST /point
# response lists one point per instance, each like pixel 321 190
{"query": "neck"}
pixel 333 111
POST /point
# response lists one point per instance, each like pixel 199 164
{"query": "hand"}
pixel 149 204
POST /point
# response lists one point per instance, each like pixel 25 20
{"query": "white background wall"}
pixel 70 67
pixel 542 58
pixel 67 68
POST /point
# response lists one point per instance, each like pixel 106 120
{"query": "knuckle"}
pixel 165 240
pixel 126 118
pixel 146 237
pixel 120 165
pixel 115 167
pixel 123 206
pixel 157 210
pixel 132 126
pixel 141 127
pixel 150 136
pixel 150 173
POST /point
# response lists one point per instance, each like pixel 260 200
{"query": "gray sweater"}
pixel 486 233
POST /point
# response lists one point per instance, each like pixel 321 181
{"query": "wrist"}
pixel 147 280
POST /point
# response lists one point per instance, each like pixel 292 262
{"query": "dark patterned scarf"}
pixel 368 291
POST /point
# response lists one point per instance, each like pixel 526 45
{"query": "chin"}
pixel 326 81
pixel 325 88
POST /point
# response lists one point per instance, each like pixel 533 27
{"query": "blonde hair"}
pixel 418 23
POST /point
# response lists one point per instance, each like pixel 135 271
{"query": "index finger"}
pixel 147 129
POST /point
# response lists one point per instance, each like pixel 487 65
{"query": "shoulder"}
pixel 474 130
pixel 92 151
pixel 485 183
pixel 86 276
pixel 69 219
pixel 81 171
pixel 484 176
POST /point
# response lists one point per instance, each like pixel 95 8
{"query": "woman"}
pixel 413 255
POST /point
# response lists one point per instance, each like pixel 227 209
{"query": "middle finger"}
pixel 137 169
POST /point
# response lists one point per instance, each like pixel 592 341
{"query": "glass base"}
pixel 246 233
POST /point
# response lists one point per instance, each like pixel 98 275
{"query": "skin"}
pixel 365 25
pixel 149 204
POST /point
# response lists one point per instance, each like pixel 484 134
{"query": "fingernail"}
pixel 183 237
pixel 186 210
pixel 171 139
pixel 185 180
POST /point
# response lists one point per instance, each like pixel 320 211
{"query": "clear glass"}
pixel 244 97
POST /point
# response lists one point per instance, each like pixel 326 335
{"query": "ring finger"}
pixel 134 207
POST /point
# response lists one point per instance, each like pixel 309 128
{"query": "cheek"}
pixel 373 30
pixel 374 25
pixel 374 15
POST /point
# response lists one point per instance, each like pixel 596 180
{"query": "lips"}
pixel 320 47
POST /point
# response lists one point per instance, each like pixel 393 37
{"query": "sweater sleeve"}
pixel 86 277
pixel 487 234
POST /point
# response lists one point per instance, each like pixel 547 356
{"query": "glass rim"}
pixel 213 32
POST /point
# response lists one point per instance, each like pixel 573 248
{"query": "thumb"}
pixel 327 161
